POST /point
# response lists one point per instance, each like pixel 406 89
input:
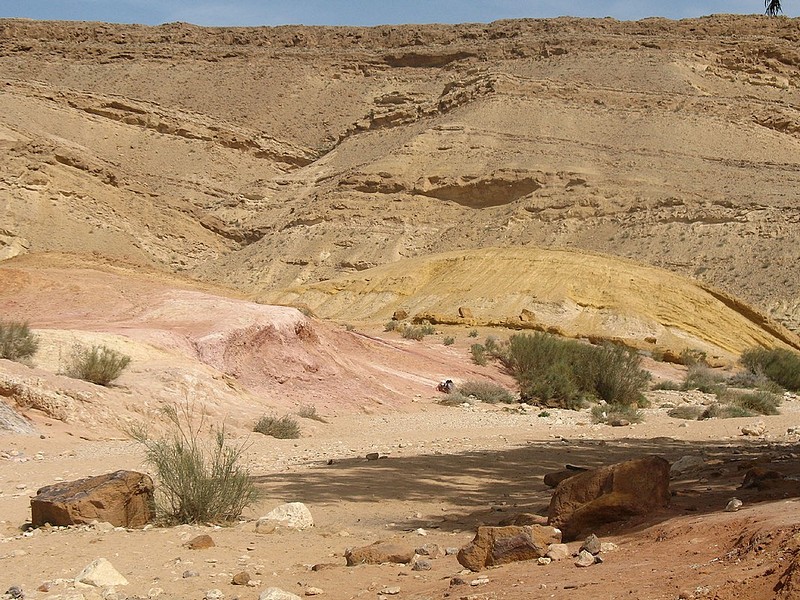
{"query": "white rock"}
pixel 755 429
pixel 294 515
pixel 274 593
pixel 733 505
pixel 214 595
pixel 100 573
pixel 558 552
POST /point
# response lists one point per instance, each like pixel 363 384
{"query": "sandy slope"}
pixel 268 157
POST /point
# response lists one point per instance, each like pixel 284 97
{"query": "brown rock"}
pixel 761 478
pixel 241 578
pixel 554 478
pixel 609 494
pixel 379 553
pixel 494 546
pixel 464 312
pixel 122 498
pixel 400 315
pixel 527 316
pixel 524 519
pixel 201 542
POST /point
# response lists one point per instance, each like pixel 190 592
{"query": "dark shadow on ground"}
pixel 456 492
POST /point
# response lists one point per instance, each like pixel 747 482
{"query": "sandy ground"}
pixel 445 471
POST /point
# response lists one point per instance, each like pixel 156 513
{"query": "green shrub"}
pixel 615 374
pixel 778 364
pixel 491 345
pixel 17 342
pixel 691 357
pixel 455 398
pixel 98 364
pixel 309 411
pixel 478 354
pixel 725 411
pixel 283 428
pixel 449 341
pixel 427 329
pixel 566 373
pixel 473 333
pixel 414 333
pixel 668 385
pixel 198 481
pixel 692 413
pixel 391 326
pixel 700 377
pixel 486 391
pixel 543 414
pixel 757 380
pixel 611 413
pixel 758 402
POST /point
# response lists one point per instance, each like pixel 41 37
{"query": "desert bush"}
pixel 486 391
pixel 567 373
pixel 689 412
pixel 413 333
pixel 615 374
pixel 755 380
pixel 778 364
pixel 309 411
pixel 725 411
pixel 455 398
pixel 700 377
pixel 98 364
pixel 283 428
pixel 692 356
pixel 391 326
pixel 492 346
pixel 609 413
pixel 17 341
pixel 668 385
pixel 198 480
pixel 757 402
pixel 427 329
pixel 449 341
pixel 478 352
pixel 473 333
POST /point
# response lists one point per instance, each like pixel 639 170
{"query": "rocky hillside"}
pixel 261 158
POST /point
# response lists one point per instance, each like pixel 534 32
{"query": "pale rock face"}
pixel 274 593
pixel 100 573
pixel 294 515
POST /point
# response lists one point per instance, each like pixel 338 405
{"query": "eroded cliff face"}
pixel 267 157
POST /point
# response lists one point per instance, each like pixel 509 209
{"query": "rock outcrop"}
pixel 122 498
pixel 612 493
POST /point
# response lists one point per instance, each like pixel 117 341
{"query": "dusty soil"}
pixel 154 181
pixel 445 471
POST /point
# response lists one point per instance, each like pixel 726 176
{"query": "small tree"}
pixel 197 481
pixel 98 364
pixel 17 342
pixel 773 7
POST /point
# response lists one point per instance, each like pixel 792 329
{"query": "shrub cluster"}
pixel 778 364
pixel 198 481
pixel 565 373
pixel 98 364
pixel 486 391
pixel 283 428
pixel 17 341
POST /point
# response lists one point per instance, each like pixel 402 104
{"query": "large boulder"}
pixel 122 498
pixel 612 493
pixel 494 546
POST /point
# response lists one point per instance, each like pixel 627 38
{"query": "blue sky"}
pixel 365 12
